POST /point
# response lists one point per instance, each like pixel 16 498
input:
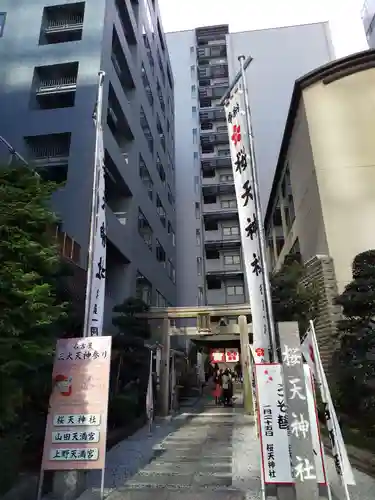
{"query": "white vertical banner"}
pixel 310 351
pixel 249 225
pixel 276 426
pixel 96 314
pixel 150 394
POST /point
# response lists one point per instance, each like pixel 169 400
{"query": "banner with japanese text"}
pixel 275 427
pixel 77 419
pixel 249 225
pixel 99 259
pixel 340 456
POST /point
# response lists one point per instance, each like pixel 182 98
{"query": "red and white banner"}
pixel 232 356
pixel 217 356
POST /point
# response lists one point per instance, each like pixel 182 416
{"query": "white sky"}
pixel 242 15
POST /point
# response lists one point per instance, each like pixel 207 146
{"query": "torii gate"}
pixel 202 315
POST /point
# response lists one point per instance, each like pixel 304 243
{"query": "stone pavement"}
pixel 207 453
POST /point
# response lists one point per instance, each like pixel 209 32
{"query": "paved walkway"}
pixel 205 453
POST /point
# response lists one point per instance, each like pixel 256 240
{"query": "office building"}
pixel 322 202
pixel 50 55
pixel 368 18
pixel 204 61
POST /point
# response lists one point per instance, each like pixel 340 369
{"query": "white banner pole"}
pixel 94 209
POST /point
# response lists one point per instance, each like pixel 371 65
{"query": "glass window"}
pixel 195 135
pixel 2 22
pixel 235 290
pixel 230 260
pixel 198 236
pixel 192 71
pixel 193 91
pixel 199 266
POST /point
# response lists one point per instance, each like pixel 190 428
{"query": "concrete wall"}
pixel 182 47
pixel 341 121
pixel 281 55
pixel 20 53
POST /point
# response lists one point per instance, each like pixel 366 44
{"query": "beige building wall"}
pixel 341 126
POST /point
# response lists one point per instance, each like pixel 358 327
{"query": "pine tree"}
pixel 30 266
pixel 355 358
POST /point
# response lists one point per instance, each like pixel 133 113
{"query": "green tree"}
pixel 29 273
pixel 293 299
pixel 355 358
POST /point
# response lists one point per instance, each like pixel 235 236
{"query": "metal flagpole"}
pixel 258 208
pixel 90 264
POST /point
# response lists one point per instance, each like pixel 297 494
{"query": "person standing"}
pixel 226 385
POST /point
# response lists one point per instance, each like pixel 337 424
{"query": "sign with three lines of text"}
pixel 249 225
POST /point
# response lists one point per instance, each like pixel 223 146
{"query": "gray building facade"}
pixel 204 62
pixel 51 52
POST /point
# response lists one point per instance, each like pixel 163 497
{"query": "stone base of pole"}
pixel 245 364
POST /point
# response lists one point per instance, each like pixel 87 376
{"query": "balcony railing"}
pixel 51 154
pixel 57 85
pixel 68 23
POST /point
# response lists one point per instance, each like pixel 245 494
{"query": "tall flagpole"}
pixel 258 209
pixel 94 203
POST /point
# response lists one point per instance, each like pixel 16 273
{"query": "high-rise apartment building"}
pixel 51 52
pixel 368 17
pixel 204 61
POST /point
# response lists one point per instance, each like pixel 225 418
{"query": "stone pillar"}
pixel 246 366
pixel 164 369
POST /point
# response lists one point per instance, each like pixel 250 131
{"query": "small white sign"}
pixel 86 436
pixel 275 426
pixel 84 419
pixel 71 454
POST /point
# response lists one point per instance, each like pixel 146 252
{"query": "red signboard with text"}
pixel 232 356
pixel 217 356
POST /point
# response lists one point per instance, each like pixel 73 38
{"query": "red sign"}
pixel 232 355
pixel 77 419
pixel 217 356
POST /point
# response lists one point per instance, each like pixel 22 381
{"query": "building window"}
pixel 61 23
pixel 197 210
pixel 192 49
pixel 192 71
pixel 226 178
pixel 198 236
pixel 49 154
pixel 121 65
pixel 146 130
pixel 146 178
pixel 194 110
pixel 147 87
pixel 160 169
pixel 160 253
pixel 160 96
pixel 231 260
pixel 235 290
pixel 195 136
pixel 231 231
pixel 195 155
pixel 143 289
pixel 161 301
pixel 171 232
pixel 171 271
pixel 193 91
pixel 162 72
pixel 160 132
pixel 161 211
pixel 55 86
pixel 144 229
pixel 199 266
pixel 196 184
pixel 228 204
pixel 2 22
pixel 200 296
